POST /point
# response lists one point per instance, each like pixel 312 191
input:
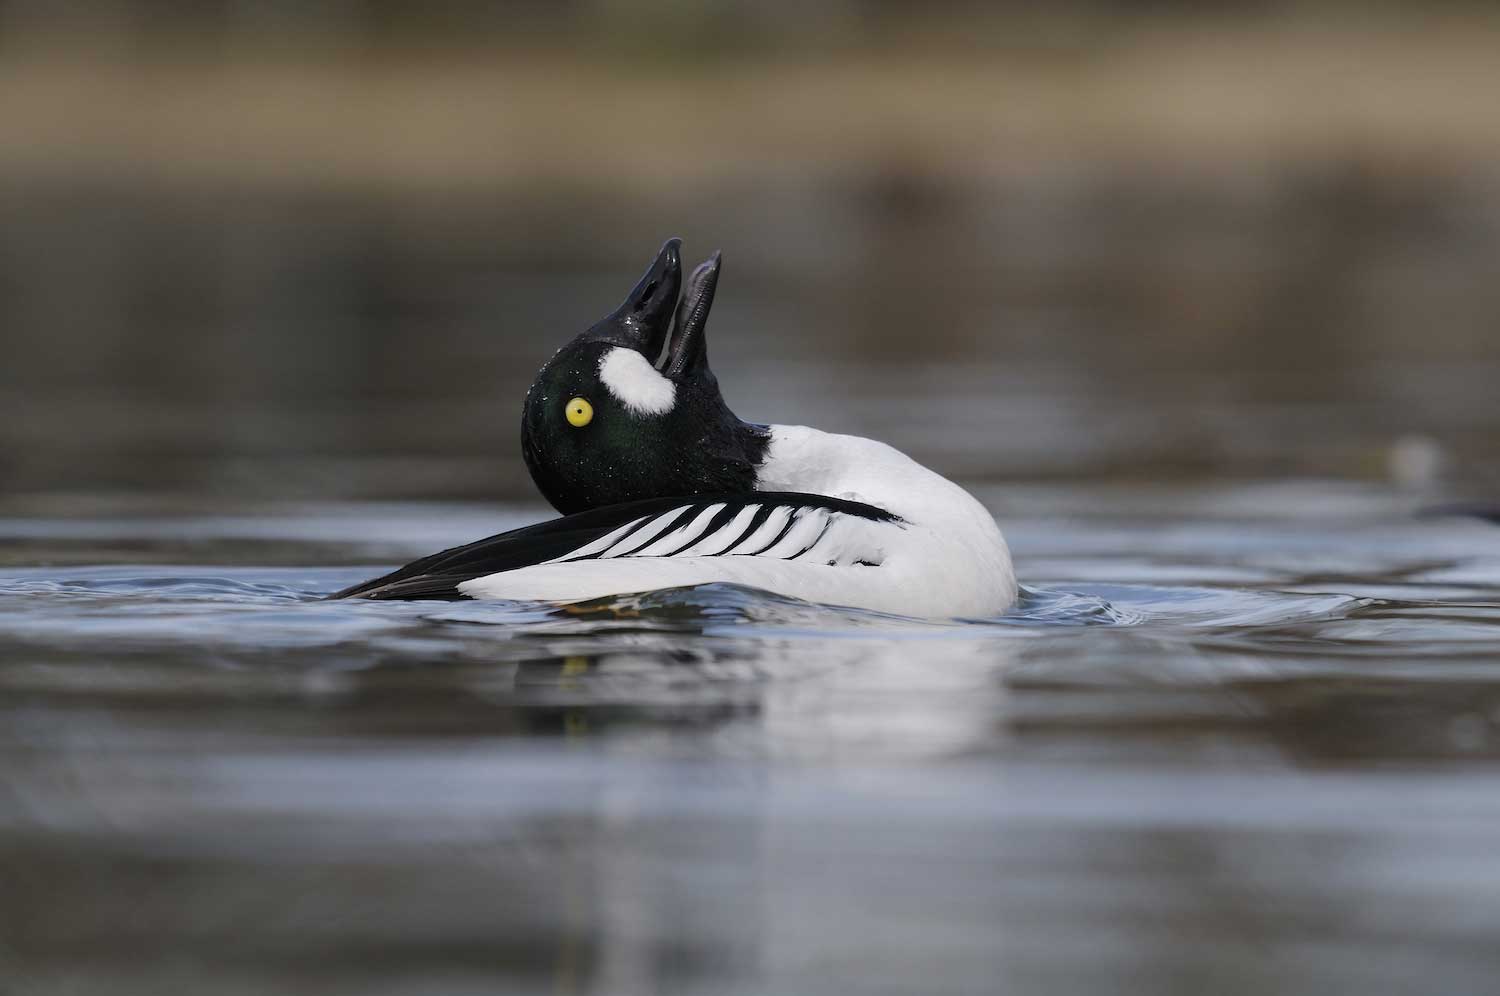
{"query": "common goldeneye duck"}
pixel 662 486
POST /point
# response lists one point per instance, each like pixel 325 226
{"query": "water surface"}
pixel 1234 739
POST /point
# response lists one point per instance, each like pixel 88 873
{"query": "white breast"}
pixel 950 560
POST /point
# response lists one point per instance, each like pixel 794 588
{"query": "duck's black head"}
pixel 605 422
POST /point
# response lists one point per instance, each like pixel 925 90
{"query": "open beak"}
pixel 644 318
pixel 688 354
pixel 652 310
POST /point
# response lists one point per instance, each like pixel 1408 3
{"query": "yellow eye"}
pixel 580 413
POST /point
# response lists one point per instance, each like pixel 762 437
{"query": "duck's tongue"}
pixel 689 349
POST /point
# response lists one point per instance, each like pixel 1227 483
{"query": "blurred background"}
pixel 1200 299
pixel 273 250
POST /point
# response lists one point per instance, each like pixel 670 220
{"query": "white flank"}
pixel 635 383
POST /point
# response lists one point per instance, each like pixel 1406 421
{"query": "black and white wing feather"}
pixel 768 526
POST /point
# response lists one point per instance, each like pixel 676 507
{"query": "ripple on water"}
pixel 272 609
pixel 1083 631
pixel 1175 734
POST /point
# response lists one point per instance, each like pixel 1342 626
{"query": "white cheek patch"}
pixel 637 385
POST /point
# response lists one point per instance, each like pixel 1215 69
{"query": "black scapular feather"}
pixel 439 575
